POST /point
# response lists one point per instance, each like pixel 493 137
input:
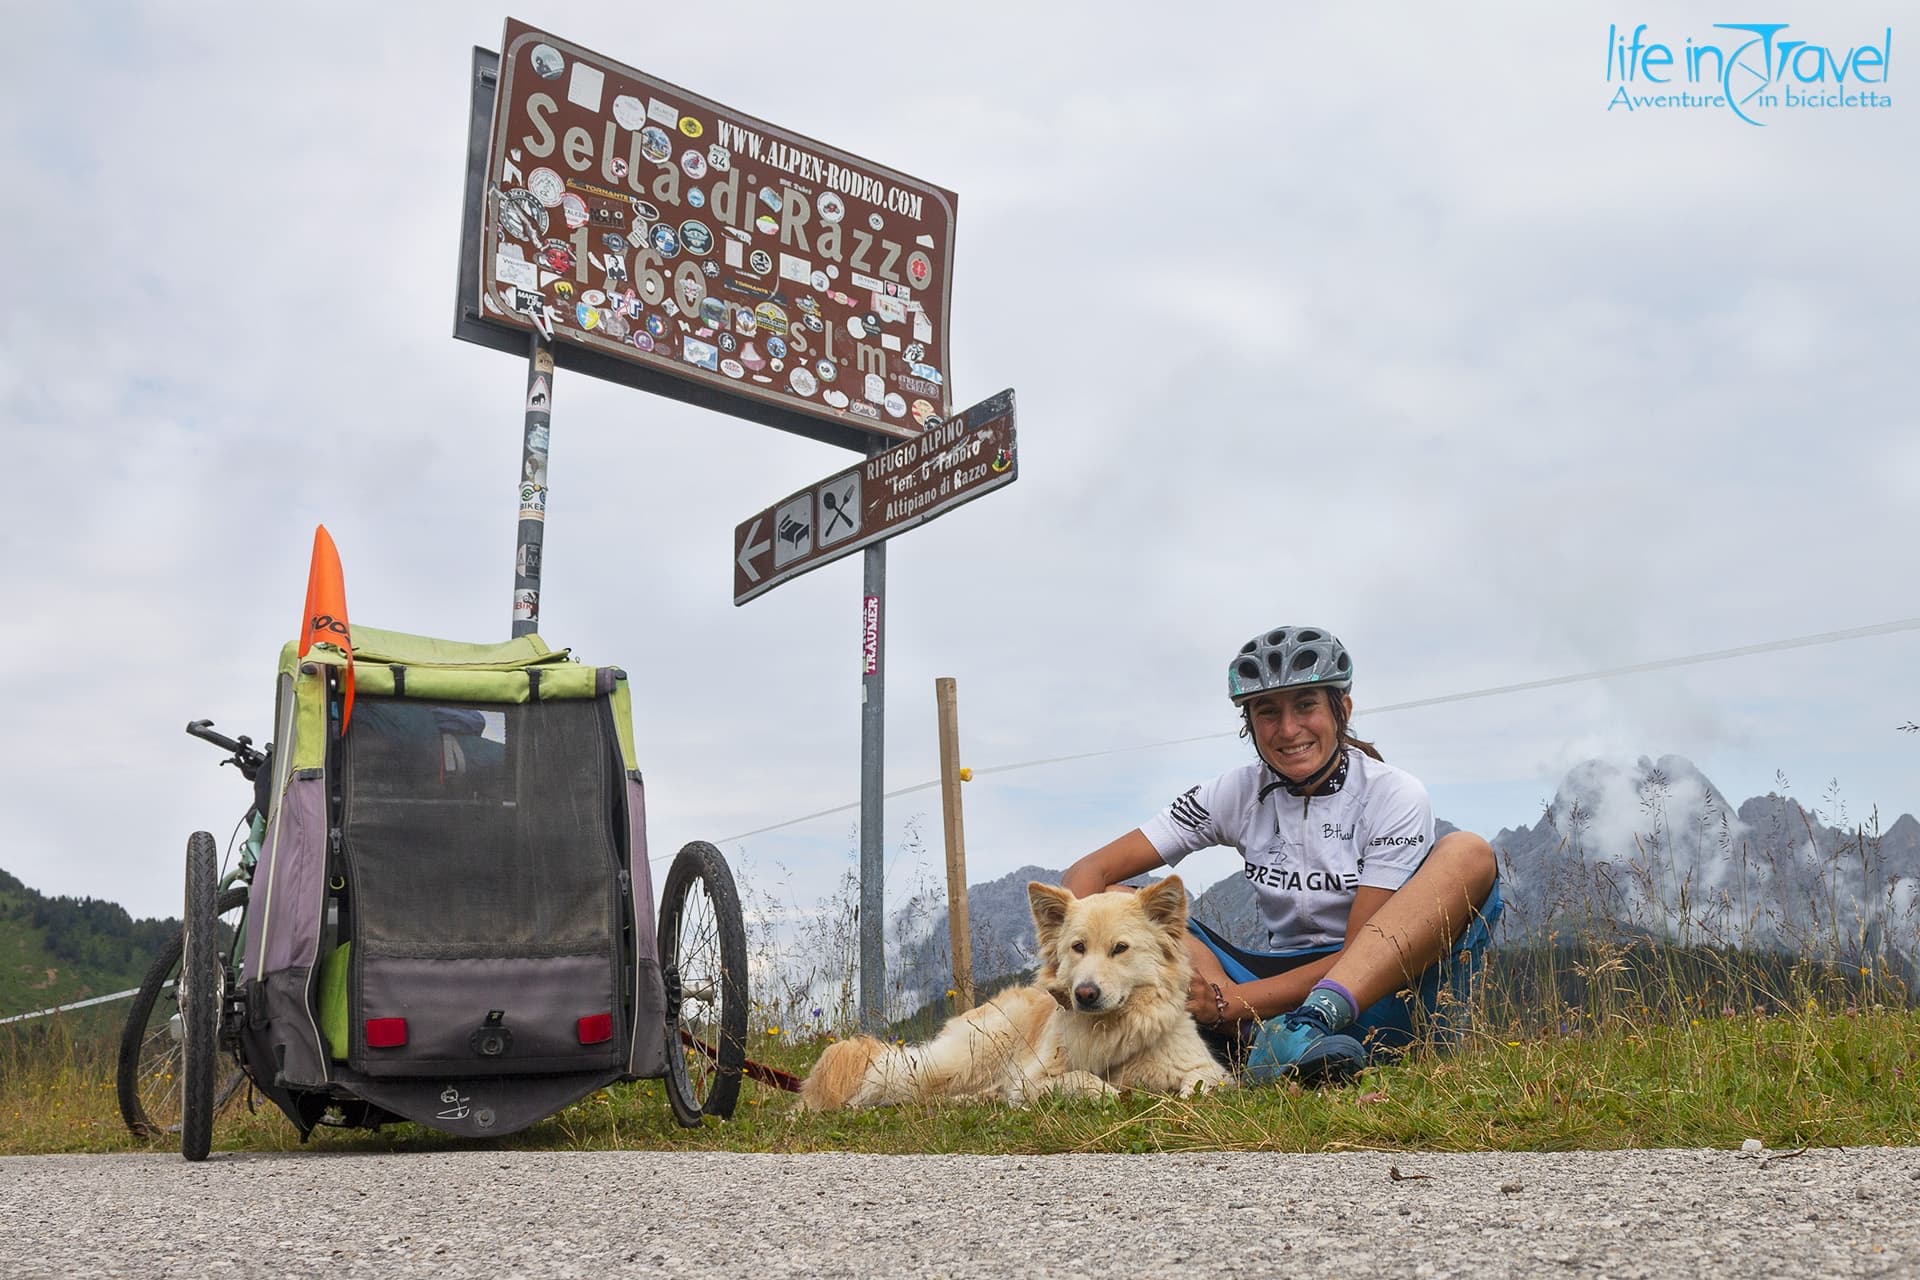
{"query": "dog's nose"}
pixel 1087 996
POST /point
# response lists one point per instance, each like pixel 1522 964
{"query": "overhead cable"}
pixel 1604 673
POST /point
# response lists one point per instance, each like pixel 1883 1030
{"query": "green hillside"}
pixel 57 950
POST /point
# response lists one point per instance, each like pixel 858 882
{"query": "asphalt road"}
pixel 491 1213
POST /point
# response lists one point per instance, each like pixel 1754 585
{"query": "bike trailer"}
pixel 451 916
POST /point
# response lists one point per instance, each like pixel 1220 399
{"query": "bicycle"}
pixel 149 1080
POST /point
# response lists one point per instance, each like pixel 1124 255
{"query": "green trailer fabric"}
pixel 504 672
pixel 333 1001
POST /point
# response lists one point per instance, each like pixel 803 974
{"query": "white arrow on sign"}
pixel 749 550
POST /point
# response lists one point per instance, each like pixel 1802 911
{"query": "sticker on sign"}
pixel 870 636
pixel 611 180
pixel 908 484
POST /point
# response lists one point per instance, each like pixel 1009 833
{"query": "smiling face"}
pixel 1295 730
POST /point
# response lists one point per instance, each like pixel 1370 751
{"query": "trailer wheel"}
pixel 703 955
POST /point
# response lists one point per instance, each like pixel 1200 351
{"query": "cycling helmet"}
pixel 1288 658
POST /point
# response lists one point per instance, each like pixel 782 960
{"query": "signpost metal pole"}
pixel 533 487
pixel 873 897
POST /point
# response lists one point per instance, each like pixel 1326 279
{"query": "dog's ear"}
pixel 1049 904
pixel 1166 904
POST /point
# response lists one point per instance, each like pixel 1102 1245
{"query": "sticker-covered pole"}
pixel 873 895
pixel 533 487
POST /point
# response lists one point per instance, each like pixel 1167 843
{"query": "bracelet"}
pixel 1219 1004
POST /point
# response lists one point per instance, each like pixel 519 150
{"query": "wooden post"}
pixel 959 932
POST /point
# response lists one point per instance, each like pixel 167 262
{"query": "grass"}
pixel 1812 1076
pixel 1637 1011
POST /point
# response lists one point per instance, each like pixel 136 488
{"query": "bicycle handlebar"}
pixel 244 757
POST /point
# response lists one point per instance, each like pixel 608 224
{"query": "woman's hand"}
pixel 1210 1004
pixel 1219 1004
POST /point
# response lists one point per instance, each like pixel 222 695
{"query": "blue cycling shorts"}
pixel 1389 1025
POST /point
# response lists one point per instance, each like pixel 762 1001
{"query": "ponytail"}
pixel 1347 739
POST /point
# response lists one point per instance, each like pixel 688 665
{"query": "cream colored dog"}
pixel 1107 1011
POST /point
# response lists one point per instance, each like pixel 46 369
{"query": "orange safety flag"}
pixel 325 617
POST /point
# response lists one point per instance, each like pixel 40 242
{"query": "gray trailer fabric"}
pixel 282 934
pixel 647 1052
pixel 491 1016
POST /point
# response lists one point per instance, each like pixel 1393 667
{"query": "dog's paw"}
pixel 1084 1084
pixel 1203 1083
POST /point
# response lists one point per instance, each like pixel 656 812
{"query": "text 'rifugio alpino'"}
pixel 941 454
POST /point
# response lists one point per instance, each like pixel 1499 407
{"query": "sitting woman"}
pixel 1366 915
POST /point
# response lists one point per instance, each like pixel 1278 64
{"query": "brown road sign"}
pixel 912 482
pixel 646 224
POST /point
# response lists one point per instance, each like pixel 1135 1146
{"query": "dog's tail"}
pixel 969 1057
pixel 838 1078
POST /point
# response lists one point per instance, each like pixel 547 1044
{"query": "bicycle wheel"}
pixel 202 991
pixel 149 1075
pixel 703 951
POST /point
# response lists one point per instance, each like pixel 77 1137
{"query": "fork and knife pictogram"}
pixel 837 504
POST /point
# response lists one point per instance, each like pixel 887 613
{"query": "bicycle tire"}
pixel 703 950
pixel 147 1076
pixel 682 1098
pixel 201 996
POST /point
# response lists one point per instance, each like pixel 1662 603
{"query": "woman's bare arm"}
pixel 1108 865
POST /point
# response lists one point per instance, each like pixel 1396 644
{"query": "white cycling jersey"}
pixel 1305 856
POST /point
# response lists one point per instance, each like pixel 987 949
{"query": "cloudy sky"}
pixel 1373 317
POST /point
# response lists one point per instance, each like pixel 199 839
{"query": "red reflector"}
pixel 386 1033
pixel 596 1028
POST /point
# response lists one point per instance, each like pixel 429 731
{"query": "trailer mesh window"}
pixel 479 831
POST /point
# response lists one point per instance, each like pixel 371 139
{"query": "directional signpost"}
pixel 891 492
pixel 895 489
pixel 622 227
